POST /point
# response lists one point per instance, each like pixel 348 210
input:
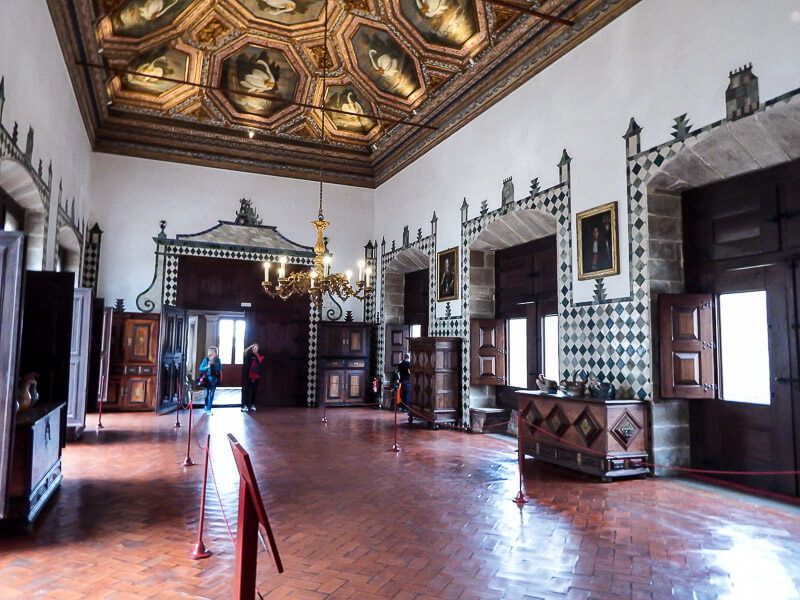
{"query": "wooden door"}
pixel 12 256
pixel 79 361
pixel 172 361
pixel 104 355
pixel 488 351
pixel 282 335
pixel 728 433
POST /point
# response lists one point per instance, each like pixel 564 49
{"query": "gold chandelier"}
pixel 319 282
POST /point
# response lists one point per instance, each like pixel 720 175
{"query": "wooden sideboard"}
pixel 344 363
pixel 435 379
pixel 607 438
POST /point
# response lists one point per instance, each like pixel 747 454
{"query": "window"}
pixel 517 352
pixel 415 331
pixel 550 347
pixel 744 347
pixel 231 333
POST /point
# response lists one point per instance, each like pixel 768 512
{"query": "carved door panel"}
pixel 334 386
pixel 355 386
pixel 79 361
pixel 488 351
pixel 139 343
pixel 686 325
pixel 139 391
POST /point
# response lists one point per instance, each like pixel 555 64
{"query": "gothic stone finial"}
pixel 464 211
pixel 741 97
pixel 534 186
pixel 484 207
pixel 247 215
pixel 162 235
pixel 419 234
pixel 405 236
pixel 682 127
pixel 633 138
pixel 434 223
pixel 29 146
pixel 563 166
pixel 508 192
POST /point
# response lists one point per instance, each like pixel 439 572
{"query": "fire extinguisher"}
pixel 376 385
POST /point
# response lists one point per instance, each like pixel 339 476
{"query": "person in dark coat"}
pixel 404 372
pixel 251 375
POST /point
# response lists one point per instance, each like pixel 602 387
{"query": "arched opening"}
pixel 513 287
pixel 723 222
pixel 26 210
pixel 68 251
pixel 406 303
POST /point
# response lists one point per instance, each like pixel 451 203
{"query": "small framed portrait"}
pixel 447 274
pixel 598 247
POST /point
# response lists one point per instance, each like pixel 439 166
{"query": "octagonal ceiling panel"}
pixel 138 18
pixel 239 82
pixel 156 72
pixel 285 12
pixel 259 81
pixel 385 63
pixel 450 23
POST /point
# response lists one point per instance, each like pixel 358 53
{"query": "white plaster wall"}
pixel 131 195
pixel 39 93
pixel 661 59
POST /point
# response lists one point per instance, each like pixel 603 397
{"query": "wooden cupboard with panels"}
pixel 133 362
pixel 344 363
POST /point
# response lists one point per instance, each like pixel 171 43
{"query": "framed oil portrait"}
pixel 447 274
pixel 598 246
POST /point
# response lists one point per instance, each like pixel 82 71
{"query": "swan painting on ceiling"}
pixel 382 59
pixel 354 109
pixel 286 12
pixel 137 18
pixel 449 23
pixel 156 72
pixel 259 81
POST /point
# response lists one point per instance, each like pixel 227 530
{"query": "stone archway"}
pixel 512 229
pixel 17 182
pixel 68 251
pixel 728 149
pixel 405 261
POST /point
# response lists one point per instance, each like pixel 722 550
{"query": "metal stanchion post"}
pixel 100 408
pixel 199 550
pixel 520 498
pixel 324 411
pixel 395 447
pixel 177 414
pixel 188 462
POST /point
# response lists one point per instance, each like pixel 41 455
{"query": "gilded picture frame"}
pixel 598 242
pixel 447 267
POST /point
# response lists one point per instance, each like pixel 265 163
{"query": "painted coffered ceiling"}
pixel 241 83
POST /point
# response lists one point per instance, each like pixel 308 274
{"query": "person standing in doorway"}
pixel 211 370
pixel 251 374
pixel 404 371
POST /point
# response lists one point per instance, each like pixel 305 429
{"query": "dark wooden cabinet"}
pixel 436 379
pixel 133 362
pixel 606 438
pixel 344 363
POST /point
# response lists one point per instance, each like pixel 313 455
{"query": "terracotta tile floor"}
pixel 356 521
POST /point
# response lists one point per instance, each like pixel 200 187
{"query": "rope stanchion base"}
pixel 200 551
pixel 394 448
pixel 520 499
